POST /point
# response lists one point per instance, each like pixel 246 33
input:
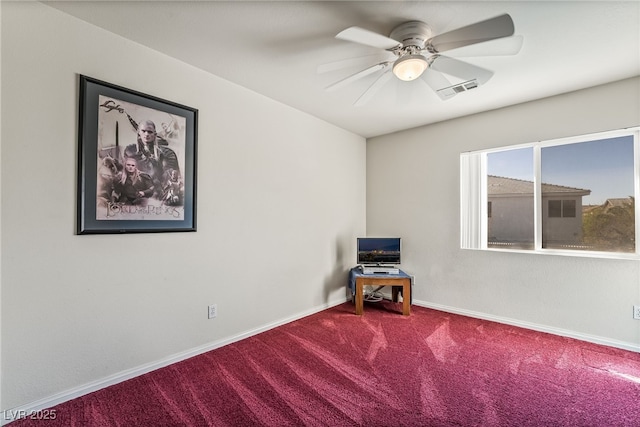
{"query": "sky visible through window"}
pixel 603 166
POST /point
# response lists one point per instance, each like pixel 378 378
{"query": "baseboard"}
pixel 533 326
pixel 34 408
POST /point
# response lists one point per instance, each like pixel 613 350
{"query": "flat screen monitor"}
pixel 378 250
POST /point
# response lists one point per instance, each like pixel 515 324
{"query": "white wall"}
pixel 414 193
pixel 281 199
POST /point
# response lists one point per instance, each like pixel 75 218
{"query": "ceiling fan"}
pixel 417 54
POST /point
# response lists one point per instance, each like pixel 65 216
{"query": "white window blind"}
pixel 472 218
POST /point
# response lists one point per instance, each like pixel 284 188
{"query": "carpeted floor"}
pixel 380 369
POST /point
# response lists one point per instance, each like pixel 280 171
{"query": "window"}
pixel 562 208
pixel 575 195
pixel 555 208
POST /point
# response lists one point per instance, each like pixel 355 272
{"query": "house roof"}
pixel 621 202
pixel 503 186
pixel 610 204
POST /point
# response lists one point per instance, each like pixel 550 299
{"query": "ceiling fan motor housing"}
pixel 412 33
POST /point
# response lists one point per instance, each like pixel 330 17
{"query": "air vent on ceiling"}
pixel 448 92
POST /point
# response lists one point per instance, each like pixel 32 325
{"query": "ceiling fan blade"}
pixel 500 47
pixel 360 74
pixel 368 38
pixel 373 89
pixel 461 69
pixel 494 28
pixel 437 81
pixel 350 62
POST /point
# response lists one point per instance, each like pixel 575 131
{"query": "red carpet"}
pixel 382 369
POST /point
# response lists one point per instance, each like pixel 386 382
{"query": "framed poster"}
pixel 136 162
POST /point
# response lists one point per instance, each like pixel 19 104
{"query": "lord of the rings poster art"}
pixel 136 161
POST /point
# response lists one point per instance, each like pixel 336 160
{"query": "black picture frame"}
pixel 156 191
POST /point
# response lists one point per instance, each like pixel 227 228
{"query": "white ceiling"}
pixel 275 47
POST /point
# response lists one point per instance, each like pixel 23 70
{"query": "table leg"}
pixel 406 297
pixel 359 297
pixel 394 293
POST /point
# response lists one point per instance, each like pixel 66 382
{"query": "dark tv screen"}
pixel 378 250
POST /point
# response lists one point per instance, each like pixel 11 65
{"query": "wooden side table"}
pixel 402 279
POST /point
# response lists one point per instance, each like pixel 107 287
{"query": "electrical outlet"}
pixel 636 312
pixel 213 311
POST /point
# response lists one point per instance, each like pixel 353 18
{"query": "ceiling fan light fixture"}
pixel 410 67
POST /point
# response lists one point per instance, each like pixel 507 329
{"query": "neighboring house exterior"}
pixel 616 203
pixel 511 213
